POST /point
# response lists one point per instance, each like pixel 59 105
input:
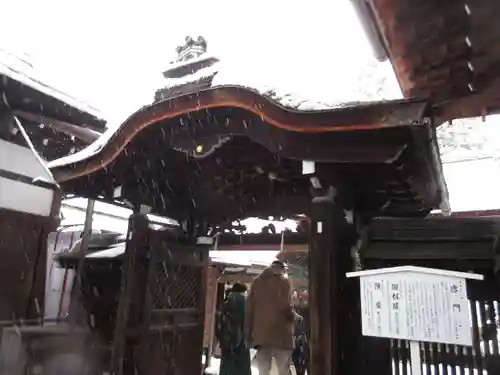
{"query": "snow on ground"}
pixel 213 369
pixel 244 258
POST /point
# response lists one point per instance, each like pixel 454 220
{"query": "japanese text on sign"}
pixel 416 307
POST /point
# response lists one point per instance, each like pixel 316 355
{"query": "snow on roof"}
pixel 204 57
pixel 235 259
pixel 225 76
pixel 112 252
pixel 106 216
pixel 200 74
pixel 75 217
pixel 22 71
pixel 458 176
pixel 229 75
pixel 27 160
pixel 244 258
pixel 415 269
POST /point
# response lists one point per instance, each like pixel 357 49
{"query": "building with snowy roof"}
pixel 56 123
pixel 192 70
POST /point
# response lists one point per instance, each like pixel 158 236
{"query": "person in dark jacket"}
pixel 300 355
pixel 235 353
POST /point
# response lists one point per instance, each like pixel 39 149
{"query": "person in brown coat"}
pixel 270 319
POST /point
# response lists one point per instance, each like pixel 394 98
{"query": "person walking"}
pixel 235 353
pixel 270 319
pixel 300 355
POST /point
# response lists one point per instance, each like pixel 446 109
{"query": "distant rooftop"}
pixel 20 69
pixel 191 57
pixel 56 123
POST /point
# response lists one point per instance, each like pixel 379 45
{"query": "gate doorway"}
pixel 161 307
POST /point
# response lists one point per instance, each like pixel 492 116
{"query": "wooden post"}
pixel 13 359
pixel 210 312
pixel 331 327
pixel 76 301
pixel 136 241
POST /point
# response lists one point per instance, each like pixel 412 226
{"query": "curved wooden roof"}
pixel 229 152
pixel 444 50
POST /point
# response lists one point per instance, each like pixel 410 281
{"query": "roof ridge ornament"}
pixel 192 48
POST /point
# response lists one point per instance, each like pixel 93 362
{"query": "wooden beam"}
pixel 289 238
pixel 77 131
pixel 248 279
pixel 429 250
pixel 264 247
pixel 478 214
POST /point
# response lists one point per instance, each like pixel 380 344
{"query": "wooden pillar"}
pixel 76 310
pixel 333 334
pixel 13 359
pixel 210 312
pixel 375 356
pixel 130 291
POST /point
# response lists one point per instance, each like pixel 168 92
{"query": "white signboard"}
pixel 416 304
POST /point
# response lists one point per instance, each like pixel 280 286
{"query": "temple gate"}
pixel 243 155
